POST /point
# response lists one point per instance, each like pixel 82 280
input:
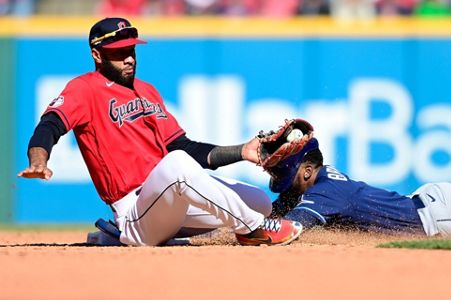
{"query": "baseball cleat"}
pixel 272 232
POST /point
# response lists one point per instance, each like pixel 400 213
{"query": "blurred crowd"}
pixel 268 8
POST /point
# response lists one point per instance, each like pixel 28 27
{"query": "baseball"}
pixel 294 135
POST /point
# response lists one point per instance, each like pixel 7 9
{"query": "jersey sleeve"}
pixel 306 216
pixel 73 104
pixel 327 207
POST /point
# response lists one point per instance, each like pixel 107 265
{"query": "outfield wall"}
pixel 7 154
pixel 375 91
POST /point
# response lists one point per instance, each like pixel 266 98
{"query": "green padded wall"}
pixel 7 60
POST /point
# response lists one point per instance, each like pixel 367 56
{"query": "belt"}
pixel 417 202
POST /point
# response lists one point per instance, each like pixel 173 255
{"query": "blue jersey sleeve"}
pixel 306 216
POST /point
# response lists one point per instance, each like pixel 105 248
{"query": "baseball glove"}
pixel 288 140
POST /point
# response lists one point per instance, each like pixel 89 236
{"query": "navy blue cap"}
pixel 113 33
pixel 286 170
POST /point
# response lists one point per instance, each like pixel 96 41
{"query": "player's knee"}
pixel 260 201
pixel 264 205
pixel 267 209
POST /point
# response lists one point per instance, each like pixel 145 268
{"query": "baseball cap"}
pixel 113 33
pixel 286 170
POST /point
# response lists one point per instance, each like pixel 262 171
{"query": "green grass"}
pixel 420 244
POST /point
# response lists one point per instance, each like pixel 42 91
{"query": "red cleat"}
pixel 272 232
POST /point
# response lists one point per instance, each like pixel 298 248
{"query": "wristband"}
pixel 224 155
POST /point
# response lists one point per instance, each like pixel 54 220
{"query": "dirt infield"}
pixel 320 265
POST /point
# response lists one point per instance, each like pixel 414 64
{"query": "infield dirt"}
pixel 320 265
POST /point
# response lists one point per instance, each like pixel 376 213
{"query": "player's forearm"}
pixel 225 155
pixel 38 156
pixel 198 151
pixel 212 156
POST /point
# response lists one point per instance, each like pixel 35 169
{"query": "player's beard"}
pixel 114 74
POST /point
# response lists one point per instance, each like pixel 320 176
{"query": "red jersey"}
pixel 122 133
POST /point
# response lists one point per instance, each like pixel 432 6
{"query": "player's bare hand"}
pixel 36 172
pixel 249 151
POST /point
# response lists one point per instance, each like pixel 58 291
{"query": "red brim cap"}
pixel 124 43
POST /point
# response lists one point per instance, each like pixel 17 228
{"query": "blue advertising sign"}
pixel 380 107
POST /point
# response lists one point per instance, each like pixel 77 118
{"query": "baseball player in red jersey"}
pixel 139 158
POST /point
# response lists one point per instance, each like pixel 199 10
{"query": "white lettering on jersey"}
pixel 334 174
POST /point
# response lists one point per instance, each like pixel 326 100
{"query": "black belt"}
pixel 417 202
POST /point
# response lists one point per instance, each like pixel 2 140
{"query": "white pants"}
pixel 180 193
pixel 436 215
